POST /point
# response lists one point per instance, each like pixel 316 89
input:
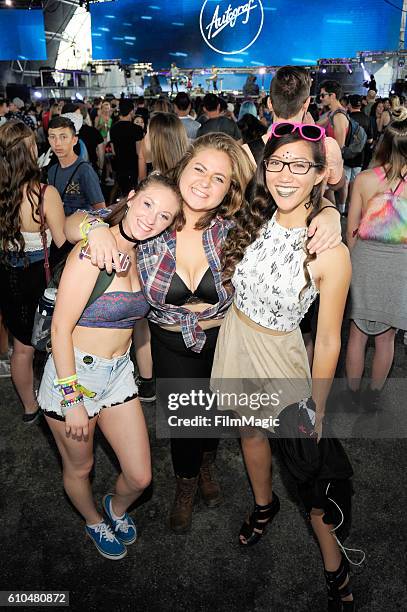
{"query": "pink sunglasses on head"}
pixel 308 131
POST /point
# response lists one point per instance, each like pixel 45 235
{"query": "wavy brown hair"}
pixel 18 172
pixel 261 207
pixel 242 172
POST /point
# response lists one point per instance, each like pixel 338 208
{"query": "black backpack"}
pixel 356 137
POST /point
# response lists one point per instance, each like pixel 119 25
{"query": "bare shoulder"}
pixel 336 260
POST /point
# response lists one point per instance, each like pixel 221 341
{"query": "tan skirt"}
pixel 256 373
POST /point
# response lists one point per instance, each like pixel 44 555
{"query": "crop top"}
pixel 178 293
pixel 270 277
pixel 116 310
pixel 385 219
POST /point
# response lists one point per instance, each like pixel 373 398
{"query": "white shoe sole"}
pixel 105 555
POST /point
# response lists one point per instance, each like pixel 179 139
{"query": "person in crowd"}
pixel 162 105
pixel 377 238
pixel 54 110
pixel 89 380
pixel 139 120
pixel 379 120
pixel 125 136
pixel 182 107
pixel 353 166
pixel 3 110
pixel 260 337
pixel 17 111
pixel 164 144
pixel 252 131
pixel 185 291
pixel 247 107
pixel 94 111
pixel 22 274
pixel 174 77
pixel 103 123
pixel 336 124
pixel 76 181
pixel 93 141
pixel 371 98
pixel 251 88
pixel 142 110
pixel 215 121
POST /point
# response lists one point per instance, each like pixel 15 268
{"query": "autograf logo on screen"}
pixel 231 27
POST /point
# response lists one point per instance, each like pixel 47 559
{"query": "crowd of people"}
pixel 220 259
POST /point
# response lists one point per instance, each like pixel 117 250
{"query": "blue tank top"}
pixel 116 310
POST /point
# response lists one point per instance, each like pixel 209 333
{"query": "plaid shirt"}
pixel 156 264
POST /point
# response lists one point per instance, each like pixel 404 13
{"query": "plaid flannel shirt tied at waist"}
pixel 156 264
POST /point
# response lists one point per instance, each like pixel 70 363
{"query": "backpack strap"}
pixel 104 280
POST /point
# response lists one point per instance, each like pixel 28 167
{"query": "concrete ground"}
pixel 44 547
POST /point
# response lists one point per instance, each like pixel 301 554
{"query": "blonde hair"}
pixel 168 141
pixel 242 172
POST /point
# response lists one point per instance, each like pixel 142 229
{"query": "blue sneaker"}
pixel 124 528
pixel 105 541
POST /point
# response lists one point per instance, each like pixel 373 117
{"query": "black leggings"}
pixel 172 359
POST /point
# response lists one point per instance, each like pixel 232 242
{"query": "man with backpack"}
pixel 355 164
pixel 348 133
pixel 76 181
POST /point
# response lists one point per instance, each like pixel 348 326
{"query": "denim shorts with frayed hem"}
pixel 111 379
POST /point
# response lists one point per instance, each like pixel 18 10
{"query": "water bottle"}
pixel 46 302
pixel 41 335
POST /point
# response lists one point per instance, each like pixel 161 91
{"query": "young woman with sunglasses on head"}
pixel 181 275
pixel 276 279
pixel 89 379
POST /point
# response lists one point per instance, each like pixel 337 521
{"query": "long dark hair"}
pixel 261 207
pixel 18 170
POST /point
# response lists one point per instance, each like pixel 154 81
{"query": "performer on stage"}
pixel 174 77
pixel 213 78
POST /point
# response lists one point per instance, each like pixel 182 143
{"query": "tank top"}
pixel 269 279
pixel 386 217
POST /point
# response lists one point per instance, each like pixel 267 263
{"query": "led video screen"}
pixel 22 35
pixel 196 33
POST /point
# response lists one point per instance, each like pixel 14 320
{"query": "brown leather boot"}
pixel 181 511
pixel 209 488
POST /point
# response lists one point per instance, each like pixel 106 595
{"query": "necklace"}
pixel 125 236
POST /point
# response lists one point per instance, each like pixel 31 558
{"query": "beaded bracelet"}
pixel 71 403
pixel 89 224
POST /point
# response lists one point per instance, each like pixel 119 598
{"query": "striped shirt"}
pixel 156 263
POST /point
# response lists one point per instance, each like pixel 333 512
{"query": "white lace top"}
pixel 33 241
pixel 269 278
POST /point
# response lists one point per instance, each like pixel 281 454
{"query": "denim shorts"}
pixel 111 379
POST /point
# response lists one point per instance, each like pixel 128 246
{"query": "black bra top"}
pixel 179 294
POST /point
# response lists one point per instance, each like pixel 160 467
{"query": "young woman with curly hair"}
pixel 22 275
pixel 275 280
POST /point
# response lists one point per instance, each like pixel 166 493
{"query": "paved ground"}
pixel 43 543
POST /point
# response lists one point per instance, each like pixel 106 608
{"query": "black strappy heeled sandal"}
pixel 338 588
pixel 253 529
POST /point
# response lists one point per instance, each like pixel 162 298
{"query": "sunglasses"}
pixel 308 131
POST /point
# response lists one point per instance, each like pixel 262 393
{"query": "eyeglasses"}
pixel 295 167
pixel 308 131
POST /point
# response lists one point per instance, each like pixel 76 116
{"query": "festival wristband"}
pixel 89 224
